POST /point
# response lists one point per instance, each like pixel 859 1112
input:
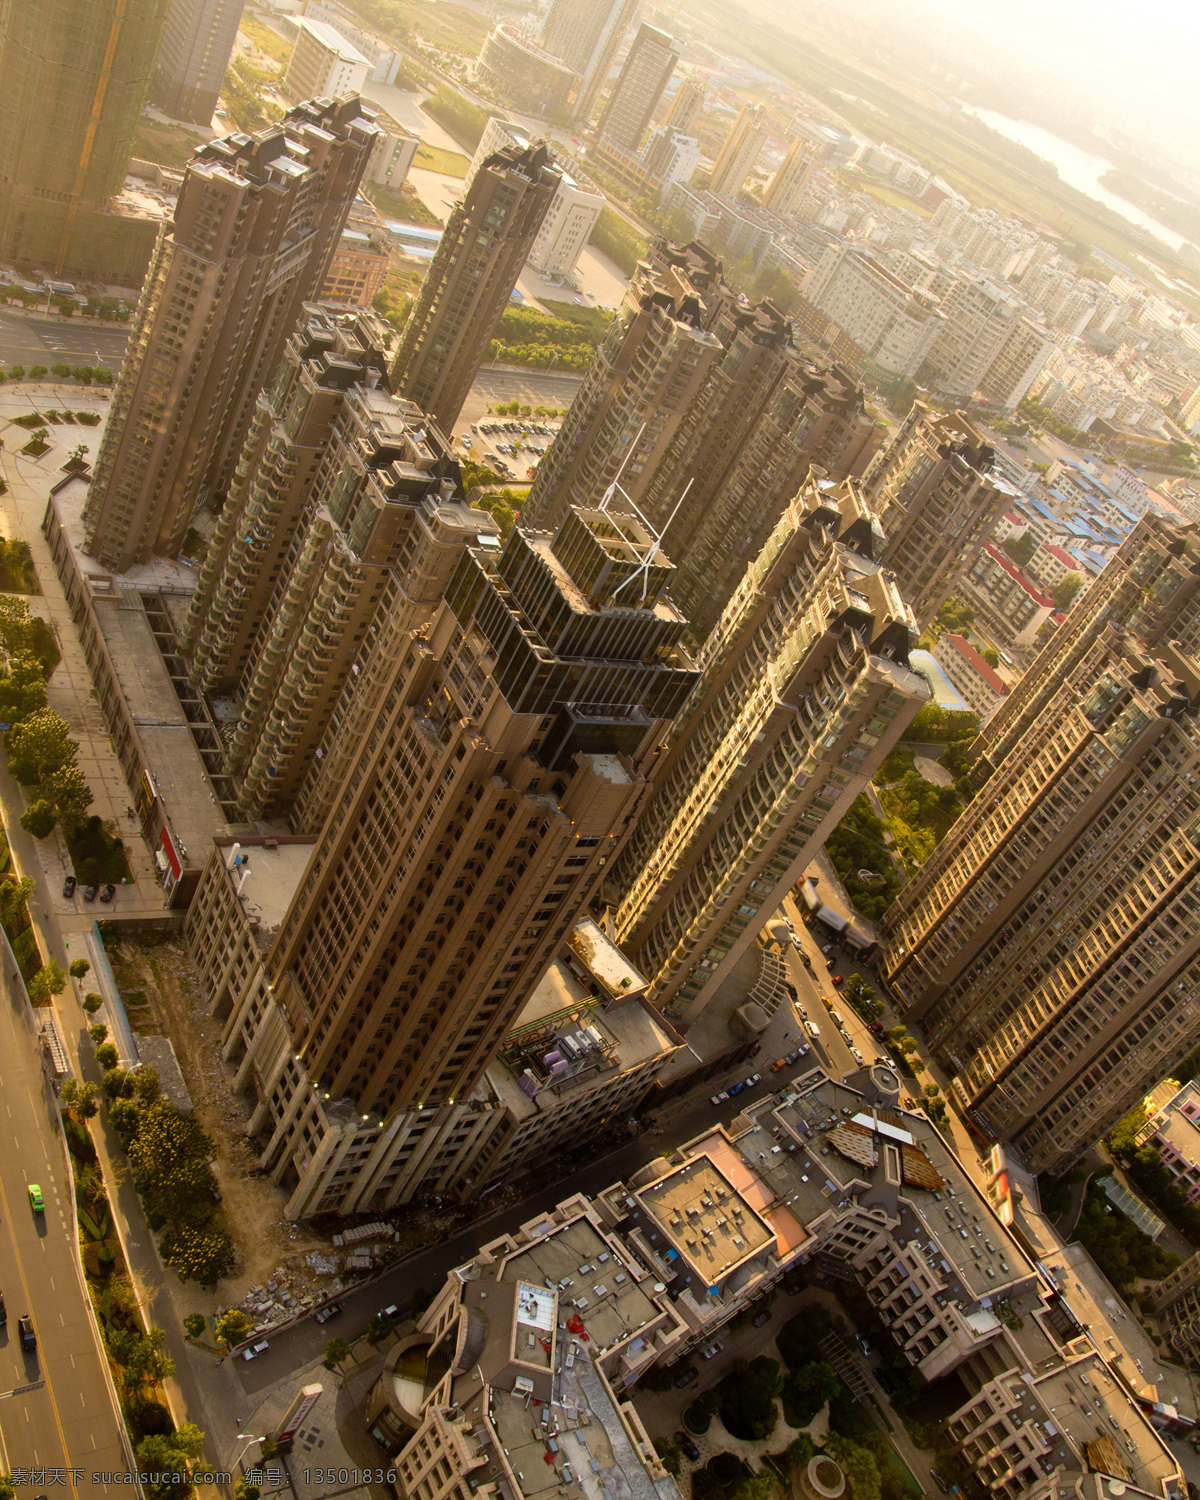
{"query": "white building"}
pixel 893 325
pixel 979 316
pixel 979 685
pixel 1020 359
pixel 393 155
pixel 569 221
pixel 323 63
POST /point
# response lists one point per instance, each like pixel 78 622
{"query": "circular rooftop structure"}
pixel 823 1479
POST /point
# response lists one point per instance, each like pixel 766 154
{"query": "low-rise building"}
pixel 323 63
pixel 358 269
pixel 1173 1130
pixel 569 221
pixel 980 685
pixel 1008 600
pixel 393 154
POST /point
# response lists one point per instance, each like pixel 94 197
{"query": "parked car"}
pixel 69 885
pixel 721 1097
pixel 711 1351
pixel 256 1349
pixel 687 1377
pixel 391 1311
pixel 90 893
pixel 813 1028
pixel 756 1049
pixel 25 1328
pixel 828 949
pixel 689 1446
pixel 328 1312
pixel 864 1346
pixel 36 1201
pixel 876 1030
pixel 791 989
pixel 839 980
pixel 762 1317
pixel 108 892
pixel 856 1055
pixel 939 1481
pixel 735 1088
pixel 790 1058
pixel 753 1079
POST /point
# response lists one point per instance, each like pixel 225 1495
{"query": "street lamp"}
pixel 247 1437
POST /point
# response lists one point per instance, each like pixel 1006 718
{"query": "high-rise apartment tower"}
pixel 639 86
pixel 793 175
pixel 73 79
pixel 1050 947
pixel 938 495
pixel 740 151
pixel 804 688
pixel 486 241
pixel 346 503
pixel 197 41
pixel 687 107
pixel 587 35
pixel 255 228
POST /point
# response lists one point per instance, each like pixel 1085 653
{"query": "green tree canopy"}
pixel 203 1255
pixel 39 747
pixel 46 983
pixel 233 1327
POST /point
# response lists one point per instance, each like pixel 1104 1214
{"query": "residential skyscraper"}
pixel 197 41
pixel 1050 947
pixel 740 151
pixel 346 502
pixel 587 35
pixel 938 496
pixel 711 416
pixel 504 764
pixel 485 243
pixel 979 314
pixel 255 229
pixel 804 688
pixel 73 79
pixel 687 107
pixel 644 75
pixel 793 175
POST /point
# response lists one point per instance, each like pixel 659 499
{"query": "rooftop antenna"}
pixel 644 571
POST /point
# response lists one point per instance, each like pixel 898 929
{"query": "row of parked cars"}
pixel 70 885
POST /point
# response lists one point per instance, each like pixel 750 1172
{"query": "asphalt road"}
pixel 33 339
pixel 56 1409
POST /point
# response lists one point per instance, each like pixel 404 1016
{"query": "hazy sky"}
pixel 1138 61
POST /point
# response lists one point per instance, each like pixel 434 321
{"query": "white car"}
pixel 721 1097
pixel 856 1055
pixel 256 1349
pixel 813 1028
pixel 712 1351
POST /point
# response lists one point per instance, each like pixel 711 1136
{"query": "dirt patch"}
pixel 164 997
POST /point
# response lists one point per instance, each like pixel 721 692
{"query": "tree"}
pixel 233 1328
pixel 124 1116
pixel 61 371
pixel 195 1325
pixel 46 983
pixel 79 968
pixel 13 896
pixel 170 1460
pixel 991 656
pixel 38 819
pixel 87 1101
pixel 203 1255
pixel 39 747
pixel 107 1055
pixel 337 1352
pixel 117 1084
pixel 92 1002
pixel 70 794
pixel 146 1087
pixel 23 690
pixel 146 1363
pixel 170 1160
pixel 1064 591
pixel 244 1490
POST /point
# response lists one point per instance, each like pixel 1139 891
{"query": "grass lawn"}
pixel 407 207
pixel 594 319
pixel 438 159
pixel 166 145
pixel 263 37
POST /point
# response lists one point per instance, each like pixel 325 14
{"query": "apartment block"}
pixel 687 107
pixel 1049 946
pixel 938 495
pixel 536 700
pixel 736 158
pixel 587 35
pixel 804 688
pixel 197 41
pixel 346 502
pixel 528 76
pixel 979 315
pixel 1173 1131
pixel 486 241
pixel 980 686
pixel 644 76
pixel 357 270
pixel 73 79
pixel 894 326
pixel 569 221
pixel 651 365
pixel 1020 359
pixel 323 63
pixel 792 176
pixel 393 155
pixel 1010 603
pixel 256 227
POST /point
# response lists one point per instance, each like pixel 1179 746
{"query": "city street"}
pixel 32 338
pixel 57 1408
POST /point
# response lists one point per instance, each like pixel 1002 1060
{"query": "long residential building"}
pixel 1050 947
pixel 892 324
pixel 644 76
pixel 736 158
pixel 587 35
pixel 193 56
pixel 804 688
pixel 255 229
pixel 485 243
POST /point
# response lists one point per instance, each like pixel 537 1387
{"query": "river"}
pixel 1078 168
